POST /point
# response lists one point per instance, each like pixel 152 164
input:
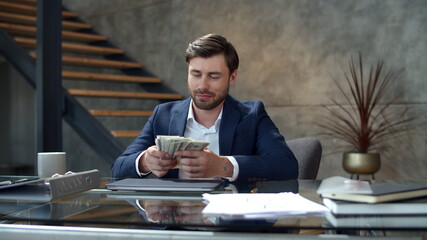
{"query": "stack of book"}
pixel 360 204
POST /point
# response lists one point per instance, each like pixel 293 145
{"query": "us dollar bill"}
pixel 171 144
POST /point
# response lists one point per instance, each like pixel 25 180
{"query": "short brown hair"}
pixel 210 45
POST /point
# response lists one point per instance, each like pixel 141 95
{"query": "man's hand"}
pixel 204 164
pixel 156 161
pixel 162 211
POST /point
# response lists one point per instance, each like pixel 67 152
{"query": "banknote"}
pixel 171 144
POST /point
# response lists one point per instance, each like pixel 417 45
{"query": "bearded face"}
pixel 209 81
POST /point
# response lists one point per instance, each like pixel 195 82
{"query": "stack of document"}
pixel 357 203
pixel 260 205
pixel 340 188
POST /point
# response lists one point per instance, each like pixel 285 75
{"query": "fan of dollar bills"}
pixel 171 144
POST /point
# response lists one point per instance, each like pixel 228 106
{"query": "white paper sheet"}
pixel 255 205
pixel 339 184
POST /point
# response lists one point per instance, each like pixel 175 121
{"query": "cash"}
pixel 171 144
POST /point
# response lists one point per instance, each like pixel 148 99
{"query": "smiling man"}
pixel 244 142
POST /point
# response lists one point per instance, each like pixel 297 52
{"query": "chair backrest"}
pixel 308 152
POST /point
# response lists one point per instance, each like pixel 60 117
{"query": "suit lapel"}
pixel 179 118
pixel 229 121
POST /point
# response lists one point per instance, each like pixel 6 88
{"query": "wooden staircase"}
pixel 88 57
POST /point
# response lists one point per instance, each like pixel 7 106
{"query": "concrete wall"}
pixel 289 49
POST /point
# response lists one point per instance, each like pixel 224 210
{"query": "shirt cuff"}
pixel 137 166
pixel 235 168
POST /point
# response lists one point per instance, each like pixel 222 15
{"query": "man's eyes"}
pixel 211 76
pixel 214 76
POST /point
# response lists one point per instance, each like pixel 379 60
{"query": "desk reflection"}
pixel 169 212
pixel 185 213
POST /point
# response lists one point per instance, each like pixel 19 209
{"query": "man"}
pixel 244 142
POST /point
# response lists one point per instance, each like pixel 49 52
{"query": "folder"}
pixel 162 185
pixel 44 190
pixel 340 188
pixel 382 192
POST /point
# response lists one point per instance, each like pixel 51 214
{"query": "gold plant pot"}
pixel 361 163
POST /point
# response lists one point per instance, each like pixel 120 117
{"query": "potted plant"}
pixel 368 120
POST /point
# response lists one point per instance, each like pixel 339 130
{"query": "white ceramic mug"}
pixel 49 163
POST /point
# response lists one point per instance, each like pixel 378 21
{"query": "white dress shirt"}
pixel 196 131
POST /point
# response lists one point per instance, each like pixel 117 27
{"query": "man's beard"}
pixel 211 104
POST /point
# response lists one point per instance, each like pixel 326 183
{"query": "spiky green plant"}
pixel 369 120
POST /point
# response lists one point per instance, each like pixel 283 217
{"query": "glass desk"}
pixel 181 212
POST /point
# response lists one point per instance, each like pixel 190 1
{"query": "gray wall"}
pixel 289 49
pixel 17 121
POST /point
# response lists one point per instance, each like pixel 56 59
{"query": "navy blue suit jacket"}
pixel 246 132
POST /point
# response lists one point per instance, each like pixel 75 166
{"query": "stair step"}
pixel 125 133
pixel 26 1
pixel 94 62
pixel 31 20
pixel 108 77
pixel 73 47
pixel 28 9
pixel 116 94
pixel 66 35
pixel 128 113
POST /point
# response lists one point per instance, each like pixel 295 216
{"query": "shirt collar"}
pixel 190 116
